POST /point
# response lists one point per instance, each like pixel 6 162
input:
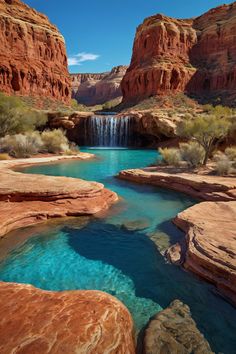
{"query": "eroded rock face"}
pixel 195 56
pixel 211 248
pixel 174 331
pixel 33 59
pixel 92 89
pixel 214 55
pixel 36 321
pixel 160 60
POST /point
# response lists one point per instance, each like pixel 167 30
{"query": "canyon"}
pixel 33 59
pixel 193 56
pixel 92 89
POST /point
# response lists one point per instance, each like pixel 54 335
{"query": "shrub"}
pixel 230 152
pixel 21 146
pixel 16 117
pixel 170 156
pixel 223 165
pixel 192 153
pixel 55 141
pixel 207 130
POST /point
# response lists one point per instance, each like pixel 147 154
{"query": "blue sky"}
pixel 99 33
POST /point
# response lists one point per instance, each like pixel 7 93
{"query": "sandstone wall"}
pixel 195 56
pixel 92 89
pixel 33 59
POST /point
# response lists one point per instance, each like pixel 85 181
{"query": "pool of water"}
pixel 116 253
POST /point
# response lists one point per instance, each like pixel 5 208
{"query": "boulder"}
pixel 173 331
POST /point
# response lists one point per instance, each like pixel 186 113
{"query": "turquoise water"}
pixel 104 254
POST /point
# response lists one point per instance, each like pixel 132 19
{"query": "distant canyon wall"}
pixel 33 59
pixel 92 89
pixel 193 56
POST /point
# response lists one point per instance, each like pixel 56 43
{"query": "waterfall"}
pixel 108 131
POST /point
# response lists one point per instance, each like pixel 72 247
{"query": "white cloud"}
pixel 73 61
pixel 81 57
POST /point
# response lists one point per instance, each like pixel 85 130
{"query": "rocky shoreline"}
pixel 40 321
pixel 100 323
pixel 209 226
pixel 29 199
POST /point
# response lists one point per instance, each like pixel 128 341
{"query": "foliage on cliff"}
pixel 16 117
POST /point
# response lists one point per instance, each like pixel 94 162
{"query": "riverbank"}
pixel 209 249
pixel 29 199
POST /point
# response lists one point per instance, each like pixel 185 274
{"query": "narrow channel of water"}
pixel 116 253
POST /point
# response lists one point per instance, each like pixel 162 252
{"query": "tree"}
pixel 206 130
pixel 16 117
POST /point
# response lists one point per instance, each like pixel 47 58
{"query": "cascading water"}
pixel 109 131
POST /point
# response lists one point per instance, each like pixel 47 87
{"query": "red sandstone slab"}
pixel 36 321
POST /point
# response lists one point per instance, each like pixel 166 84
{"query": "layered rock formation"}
pixel 33 59
pixel 174 331
pixel 92 89
pixel 150 127
pixel 160 60
pixel 36 321
pixel 209 249
pixel 195 56
pixel 36 198
pixel 214 55
pixel 202 187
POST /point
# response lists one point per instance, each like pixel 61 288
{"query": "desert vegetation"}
pixel 204 134
pixel 22 131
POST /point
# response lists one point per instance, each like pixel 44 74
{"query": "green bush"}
pixel 223 165
pixel 192 153
pixel 16 117
pixel 21 146
pixel 230 152
pixel 207 130
pixel 170 156
pixel 55 141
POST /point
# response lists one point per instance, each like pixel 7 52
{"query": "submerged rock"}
pixel 174 254
pixel 136 225
pixel 161 240
pixel 173 331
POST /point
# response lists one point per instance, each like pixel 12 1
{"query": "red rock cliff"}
pixel 98 88
pixel 196 56
pixel 214 55
pixel 33 58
